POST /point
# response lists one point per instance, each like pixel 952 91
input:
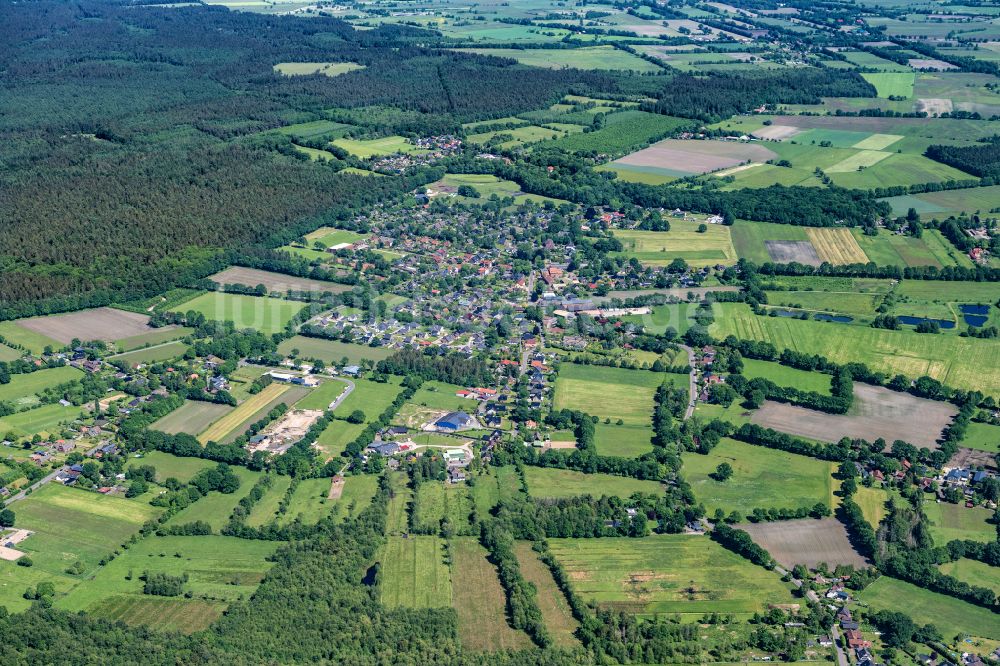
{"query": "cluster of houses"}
pixel 436 147
pixel 395 334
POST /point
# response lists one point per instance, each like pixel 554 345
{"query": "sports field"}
pixel 950 615
pixel 659 248
pixel 966 363
pixel 274 282
pixel 414 573
pixel 616 393
pixel 332 351
pixel 762 478
pixel 548 482
pixel 556 612
pixel 676 573
pixel 222 427
pixel 22 389
pixel 809 542
pixel 192 417
pixel 267 315
pixel 956 521
pixel 75 525
pixel 480 602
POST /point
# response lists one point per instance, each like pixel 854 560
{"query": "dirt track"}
pixel 877 412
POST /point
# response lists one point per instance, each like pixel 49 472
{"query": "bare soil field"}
pixel 934 106
pixel 807 542
pixel 784 252
pixel 697 156
pixel 931 63
pixel 97 324
pixel 877 412
pixel 275 282
pixel 777 132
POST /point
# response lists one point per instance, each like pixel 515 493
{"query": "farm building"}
pixel 455 421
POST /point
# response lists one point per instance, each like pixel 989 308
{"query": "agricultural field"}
pixel 944 300
pixel 331 351
pixel 223 568
pixel 323 395
pixel 479 601
pixel 72 525
pixel 622 133
pixel 315 129
pixel 192 417
pixel 22 389
pixel 762 478
pixel 809 542
pixel 414 573
pixel 948 522
pixel 170 466
pixel 876 412
pixel 685 157
pixel 547 482
pixel 973 572
pixel 308 68
pixel 668 574
pixel 782 375
pixel 267 315
pixel 965 363
pixel 153 338
pixel 310 502
pixel 951 616
pixel 891 84
pixel 8 353
pixel 274 282
pixel 153 354
pixel 873 504
pixel 614 393
pixel 683 241
pixel 266 509
pixel 106 324
pixel 493 485
pixel 556 612
pixel 982 437
pixel 437 501
pixel 587 57
pixel 947 202
pixel 371 397
pixel 183 615
pixel 222 427
pixel 622 440
pixel 516 138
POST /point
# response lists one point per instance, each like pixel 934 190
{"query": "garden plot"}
pixel 808 542
pixel 273 282
pixel 697 157
pixel 877 412
pixel 98 324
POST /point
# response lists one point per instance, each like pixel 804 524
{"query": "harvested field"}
pixel 785 252
pixel 98 324
pixel 836 245
pixel 776 132
pixel 931 63
pixel 274 282
pixel 807 542
pixel 877 142
pixel 934 106
pixel 877 412
pixel 696 157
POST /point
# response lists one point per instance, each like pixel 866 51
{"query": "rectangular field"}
pixel 762 478
pixel 659 248
pixel 267 315
pixel 170 466
pixel 587 57
pixel 98 324
pixel 192 417
pixel 22 389
pixel 974 573
pixel 44 419
pixel 622 133
pixel 948 522
pixel 274 282
pixel 546 482
pixel 836 245
pixel 436 501
pixel 697 157
pixel 808 542
pixel 160 352
pixel 480 601
pixel 877 412
pixel 782 375
pixel 414 573
pixel 624 441
pixel 683 574
pixel 616 393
